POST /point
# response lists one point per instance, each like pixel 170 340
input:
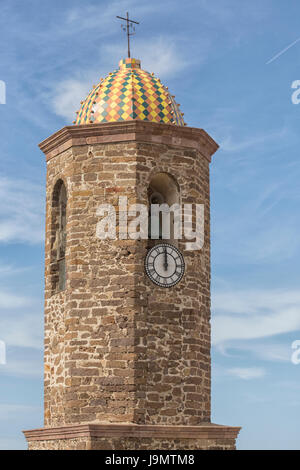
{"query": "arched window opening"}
pixel 59 236
pixel 163 189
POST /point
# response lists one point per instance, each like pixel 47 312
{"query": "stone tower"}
pixel 127 363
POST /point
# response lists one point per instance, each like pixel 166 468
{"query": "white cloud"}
pixel 252 314
pixel 231 144
pixel 8 300
pixel 252 300
pixel 21 211
pixel 168 63
pixel 258 223
pixel 247 373
pixel 66 96
pixel 10 270
pixel 22 331
pixel 103 18
pixel 257 326
pixel 23 366
pixel 262 349
pixel 282 51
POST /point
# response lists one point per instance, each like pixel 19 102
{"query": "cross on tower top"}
pixel 128 28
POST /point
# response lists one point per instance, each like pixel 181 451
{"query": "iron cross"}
pixel 129 27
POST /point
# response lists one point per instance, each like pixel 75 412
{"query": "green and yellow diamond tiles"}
pixel 127 94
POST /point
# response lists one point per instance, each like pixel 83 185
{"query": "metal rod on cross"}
pixel 127 28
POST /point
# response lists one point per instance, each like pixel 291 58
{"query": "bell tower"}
pixel 127 358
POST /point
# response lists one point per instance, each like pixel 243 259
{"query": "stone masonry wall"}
pixel 118 348
pixel 173 325
pixel 134 443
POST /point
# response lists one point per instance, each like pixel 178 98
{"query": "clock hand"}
pixel 166 260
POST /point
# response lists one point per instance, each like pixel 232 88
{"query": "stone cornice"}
pixel 138 131
pixel 206 431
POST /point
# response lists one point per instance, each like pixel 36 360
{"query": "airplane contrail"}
pixel 283 51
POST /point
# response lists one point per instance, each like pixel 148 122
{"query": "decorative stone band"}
pixel 137 131
pixel 206 431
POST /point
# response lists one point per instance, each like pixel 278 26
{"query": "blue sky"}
pixel 216 57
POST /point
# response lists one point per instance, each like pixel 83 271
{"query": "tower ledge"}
pixel 138 131
pixel 133 436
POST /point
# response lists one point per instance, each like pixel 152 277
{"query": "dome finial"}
pixel 129 28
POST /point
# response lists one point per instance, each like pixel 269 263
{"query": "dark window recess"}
pixel 59 237
pixel 61 274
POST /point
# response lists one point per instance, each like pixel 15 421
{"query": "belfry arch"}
pixel 163 189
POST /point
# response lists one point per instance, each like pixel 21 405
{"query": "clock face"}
pixel 164 265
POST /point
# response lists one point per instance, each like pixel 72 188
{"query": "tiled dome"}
pixel 127 94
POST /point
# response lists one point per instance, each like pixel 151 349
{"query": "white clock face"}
pixel 164 265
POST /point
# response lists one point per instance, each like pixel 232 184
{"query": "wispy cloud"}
pixel 67 94
pixel 168 63
pixel 276 56
pixel 12 301
pixel 24 365
pixel 22 330
pixel 257 222
pixel 11 270
pixel 251 301
pixel 21 211
pixel 231 144
pixel 89 17
pixel 257 326
pixel 261 349
pixel 247 373
pixel 252 314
